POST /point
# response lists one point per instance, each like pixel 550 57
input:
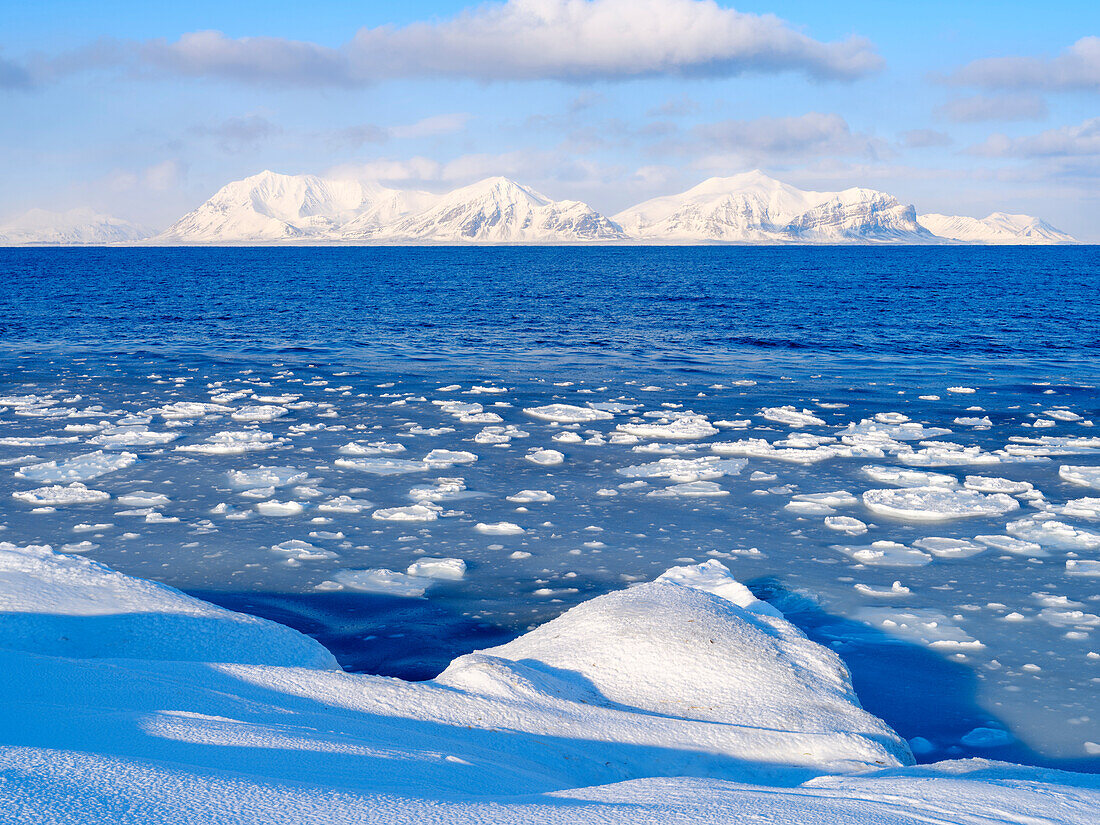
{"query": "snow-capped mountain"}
pixel 753 207
pixel 746 208
pixel 72 228
pixel 998 228
pixel 498 210
pixel 270 207
pixel 273 207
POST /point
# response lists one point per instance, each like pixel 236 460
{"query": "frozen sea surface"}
pixel 411 454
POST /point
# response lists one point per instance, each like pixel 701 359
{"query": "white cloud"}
pixel 1076 68
pixel 1081 140
pixel 165 176
pixel 12 75
pixel 571 40
pixel 431 126
pixel 239 134
pixel 807 135
pixel 924 139
pixel 993 107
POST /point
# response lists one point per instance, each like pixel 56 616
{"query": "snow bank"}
pixel 681 700
pixel 60 605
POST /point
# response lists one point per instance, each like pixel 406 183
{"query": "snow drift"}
pixel 681 700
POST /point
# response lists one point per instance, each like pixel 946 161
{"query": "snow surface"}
pixel 681 700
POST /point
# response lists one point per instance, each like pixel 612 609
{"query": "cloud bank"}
pixel 567 40
pixel 1075 69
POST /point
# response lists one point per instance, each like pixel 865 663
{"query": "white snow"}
pixel 72 607
pixel 752 207
pixel 77 227
pixel 996 228
pixel 681 700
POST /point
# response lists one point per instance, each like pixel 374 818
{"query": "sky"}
pixel 143 110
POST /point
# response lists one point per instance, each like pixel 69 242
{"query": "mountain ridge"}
pixel 746 208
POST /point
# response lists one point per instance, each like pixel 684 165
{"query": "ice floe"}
pixel 885 554
pixel 791 416
pixel 685 469
pixel 936 503
pixel 58 495
pixel 78 468
pixel 688 426
pixel 1085 476
pixel 1054 535
pixel 545 458
pixel 568 414
pixel 233 443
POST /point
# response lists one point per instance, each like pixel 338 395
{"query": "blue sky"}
pixel 144 110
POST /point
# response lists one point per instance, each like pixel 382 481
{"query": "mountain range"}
pixel 73 228
pixel 749 208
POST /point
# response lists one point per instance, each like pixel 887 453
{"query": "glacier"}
pixel 684 699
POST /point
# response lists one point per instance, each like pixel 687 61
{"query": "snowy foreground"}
pixel 681 700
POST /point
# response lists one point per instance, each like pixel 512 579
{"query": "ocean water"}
pixel 723 389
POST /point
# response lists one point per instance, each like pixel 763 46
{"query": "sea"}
pixel 896 446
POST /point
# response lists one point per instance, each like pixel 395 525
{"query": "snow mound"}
pixel 696 654
pixel 681 700
pixel 60 605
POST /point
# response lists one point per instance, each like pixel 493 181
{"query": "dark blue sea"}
pixel 286 411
